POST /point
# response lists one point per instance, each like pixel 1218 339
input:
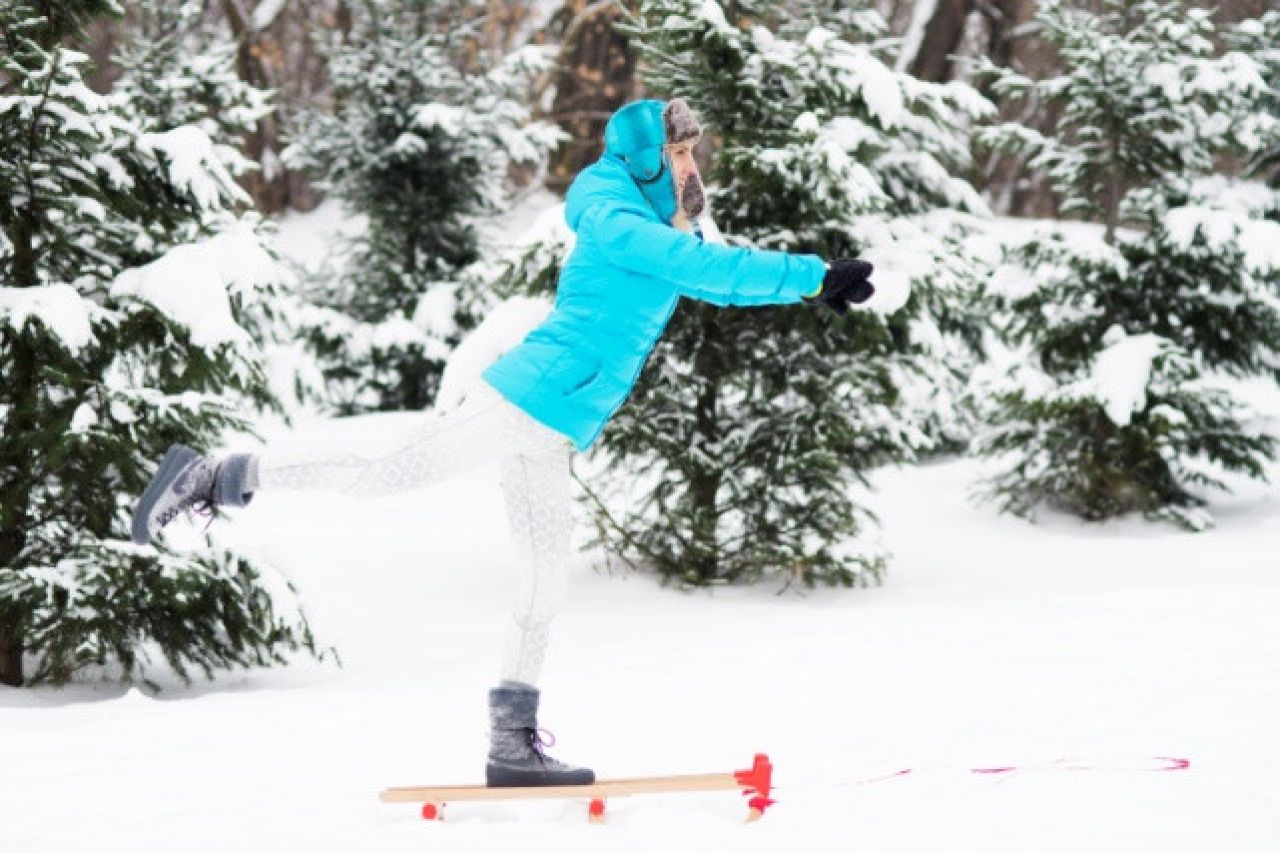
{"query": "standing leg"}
pixel 539 497
pixel 538 489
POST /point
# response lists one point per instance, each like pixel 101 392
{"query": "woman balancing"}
pixel 638 251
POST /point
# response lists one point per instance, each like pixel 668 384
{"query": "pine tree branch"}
pixel 627 537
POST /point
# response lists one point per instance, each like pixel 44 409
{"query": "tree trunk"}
pixel 597 75
pixel 260 53
pixel 934 36
pixel 10 652
pixel 24 255
pixel 1005 25
pixel 16 477
pixel 1115 190
pixel 704 480
pixel 20 394
pixel 1009 39
pixel 104 37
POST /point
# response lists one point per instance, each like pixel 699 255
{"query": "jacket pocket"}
pixel 573 372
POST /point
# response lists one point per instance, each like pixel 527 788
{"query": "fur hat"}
pixel 679 123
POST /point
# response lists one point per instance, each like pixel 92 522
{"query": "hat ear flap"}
pixel 645 165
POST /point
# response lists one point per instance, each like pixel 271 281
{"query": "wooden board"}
pixel 755 783
pixel 603 788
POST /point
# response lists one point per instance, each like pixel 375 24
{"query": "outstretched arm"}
pixel 722 275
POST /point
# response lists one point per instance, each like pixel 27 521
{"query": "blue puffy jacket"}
pixel 616 293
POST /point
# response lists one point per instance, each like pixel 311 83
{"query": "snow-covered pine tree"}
pixel 420 149
pixel 1115 404
pixel 749 425
pixel 180 72
pixel 175 73
pixel 118 336
pixel 1260 38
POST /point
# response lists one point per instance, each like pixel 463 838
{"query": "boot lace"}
pixel 206 509
pixel 202 505
pixel 537 743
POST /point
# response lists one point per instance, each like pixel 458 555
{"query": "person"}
pixel 639 250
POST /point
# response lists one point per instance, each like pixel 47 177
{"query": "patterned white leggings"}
pixel 536 483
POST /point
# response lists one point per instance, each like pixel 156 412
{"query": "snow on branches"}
pixel 423 149
pixel 136 308
pixel 1116 404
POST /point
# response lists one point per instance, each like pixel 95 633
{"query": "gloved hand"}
pixel 848 281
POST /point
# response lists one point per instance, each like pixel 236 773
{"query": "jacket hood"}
pixel 635 135
pixel 608 181
pixel 633 170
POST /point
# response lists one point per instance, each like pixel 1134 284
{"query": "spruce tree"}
pixel 180 72
pixel 1260 38
pixel 1116 404
pixel 749 425
pixel 124 273
pixel 421 149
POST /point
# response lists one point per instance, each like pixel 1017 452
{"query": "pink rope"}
pixel 1161 765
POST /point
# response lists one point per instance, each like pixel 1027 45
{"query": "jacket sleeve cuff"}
pixel 817 273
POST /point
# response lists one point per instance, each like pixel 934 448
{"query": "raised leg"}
pixel 483 428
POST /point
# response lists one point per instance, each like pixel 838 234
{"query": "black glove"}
pixel 848 281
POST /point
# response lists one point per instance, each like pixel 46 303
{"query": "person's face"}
pixel 684 172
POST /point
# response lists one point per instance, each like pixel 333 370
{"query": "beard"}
pixel 690 196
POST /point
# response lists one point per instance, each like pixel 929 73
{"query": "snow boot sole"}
pixel 496 776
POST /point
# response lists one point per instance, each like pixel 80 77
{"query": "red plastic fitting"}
pixel 757 782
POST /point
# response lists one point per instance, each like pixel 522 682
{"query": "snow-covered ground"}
pixel 994 643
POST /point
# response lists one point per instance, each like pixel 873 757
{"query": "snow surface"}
pixel 266 13
pixel 1258 239
pixel 449 119
pixel 1122 371
pixel 61 309
pixel 535 219
pixel 993 643
pixel 193 164
pixel 308 238
pixel 189 284
pixel 921 14
pixel 504 327
pixel 881 89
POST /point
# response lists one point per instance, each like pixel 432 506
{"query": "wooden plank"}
pixel 605 788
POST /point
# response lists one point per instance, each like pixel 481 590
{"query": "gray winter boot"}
pixel 185 480
pixel 516 758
